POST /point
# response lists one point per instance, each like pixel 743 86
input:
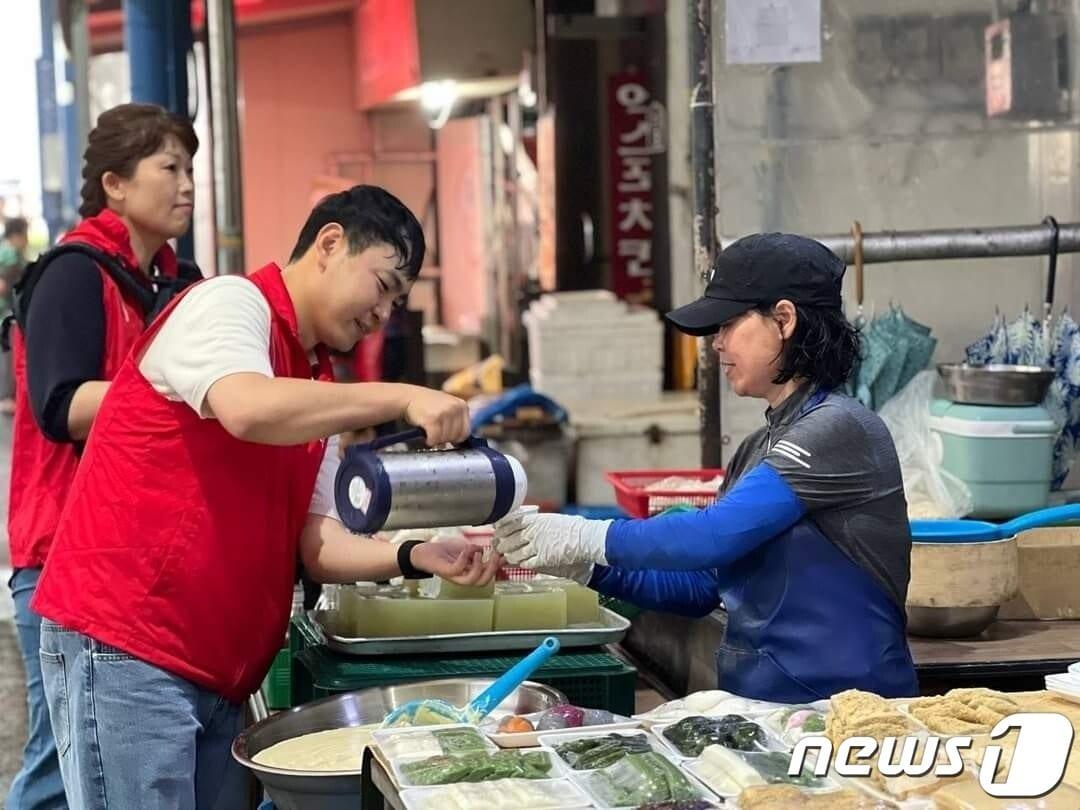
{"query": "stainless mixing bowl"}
pixel 995 384
pixel 950 622
pixel 313 790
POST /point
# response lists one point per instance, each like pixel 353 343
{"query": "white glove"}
pixel 538 541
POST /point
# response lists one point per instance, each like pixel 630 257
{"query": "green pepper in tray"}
pixel 593 753
pixel 694 734
pixel 639 779
pixel 479 767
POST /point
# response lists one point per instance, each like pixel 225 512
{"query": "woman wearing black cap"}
pixel 808 546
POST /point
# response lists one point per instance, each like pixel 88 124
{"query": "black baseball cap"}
pixel 760 270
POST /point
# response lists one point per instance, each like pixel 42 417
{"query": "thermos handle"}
pixel 411 435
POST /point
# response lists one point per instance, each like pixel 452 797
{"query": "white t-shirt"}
pixel 222 327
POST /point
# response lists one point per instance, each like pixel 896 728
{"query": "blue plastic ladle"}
pixel 978 531
pixel 483 704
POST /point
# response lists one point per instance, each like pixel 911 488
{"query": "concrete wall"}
pixel 296 105
pixel 810 148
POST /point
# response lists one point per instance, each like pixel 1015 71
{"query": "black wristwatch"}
pixel 404 561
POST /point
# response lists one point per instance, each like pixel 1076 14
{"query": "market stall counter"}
pixel 714 749
pixel 1008 655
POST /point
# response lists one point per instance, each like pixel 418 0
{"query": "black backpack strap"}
pixel 22 293
pixel 151 300
pixel 23 290
pixel 165 289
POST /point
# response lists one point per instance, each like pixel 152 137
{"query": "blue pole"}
pixel 52 148
pixel 158 38
pixel 69 123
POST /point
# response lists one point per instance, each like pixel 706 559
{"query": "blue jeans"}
pixel 131 735
pixel 37 785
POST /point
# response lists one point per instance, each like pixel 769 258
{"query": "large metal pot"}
pixel 950 622
pixel 995 384
pixel 312 790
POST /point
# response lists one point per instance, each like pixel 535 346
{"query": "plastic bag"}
pixel 931 491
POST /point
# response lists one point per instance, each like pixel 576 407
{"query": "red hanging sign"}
pixel 635 127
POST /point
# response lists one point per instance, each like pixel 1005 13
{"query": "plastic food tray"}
pixel 531 739
pixel 558 769
pixel 675 710
pixel 610 630
pixel 828 783
pixel 772 724
pixel 548 741
pixel 385 737
pixel 584 780
pixel 566 793
pixel 773 743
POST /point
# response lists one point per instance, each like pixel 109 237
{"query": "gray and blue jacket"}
pixel 808 548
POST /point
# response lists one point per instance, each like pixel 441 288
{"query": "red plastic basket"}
pixel 512 574
pixel 637 501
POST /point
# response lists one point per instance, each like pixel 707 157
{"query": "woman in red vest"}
pixel 207 475
pixel 80 323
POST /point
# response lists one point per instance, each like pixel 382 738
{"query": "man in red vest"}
pixel 206 476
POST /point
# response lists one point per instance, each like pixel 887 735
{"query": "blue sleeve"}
pixel 760 506
pixel 685 593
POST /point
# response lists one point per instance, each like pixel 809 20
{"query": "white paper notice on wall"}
pixel 764 32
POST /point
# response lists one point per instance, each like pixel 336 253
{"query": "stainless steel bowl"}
pixel 313 790
pixel 950 622
pixel 995 384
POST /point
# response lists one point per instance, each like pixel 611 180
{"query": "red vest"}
pixel 42 470
pixel 178 543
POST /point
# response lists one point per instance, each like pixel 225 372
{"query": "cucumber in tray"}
pixel 639 779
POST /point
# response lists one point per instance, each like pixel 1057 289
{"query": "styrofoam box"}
pixel 571 389
pixel 664 436
pixel 632 342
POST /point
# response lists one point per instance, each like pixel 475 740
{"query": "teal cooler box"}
pixel 1004 454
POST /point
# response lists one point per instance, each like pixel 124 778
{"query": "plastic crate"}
pixel 509 573
pixel 278 682
pixel 637 501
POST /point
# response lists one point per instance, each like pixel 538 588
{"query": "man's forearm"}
pixel 287 411
pixel 332 554
pixel 85 403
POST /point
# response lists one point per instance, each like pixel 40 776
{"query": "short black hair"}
pixel 369 216
pixel 824 348
pixel 16 226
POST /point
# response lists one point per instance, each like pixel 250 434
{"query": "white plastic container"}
pixel 579 334
pixel 632 340
pixel 664 436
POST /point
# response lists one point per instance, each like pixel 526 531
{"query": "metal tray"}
pixel 611 629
